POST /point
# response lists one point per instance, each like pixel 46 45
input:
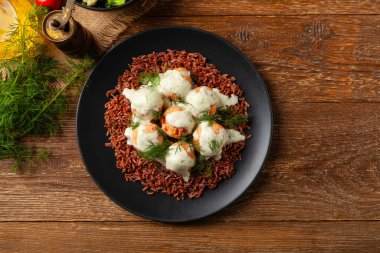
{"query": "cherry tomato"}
pixel 52 4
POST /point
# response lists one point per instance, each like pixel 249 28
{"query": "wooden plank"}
pixel 264 7
pixel 323 166
pixel 307 58
pixel 200 237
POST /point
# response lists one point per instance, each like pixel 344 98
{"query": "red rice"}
pixel 153 176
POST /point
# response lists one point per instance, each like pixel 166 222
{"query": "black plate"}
pixel 98 7
pixel 100 160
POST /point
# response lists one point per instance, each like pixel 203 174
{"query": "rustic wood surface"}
pixel 320 189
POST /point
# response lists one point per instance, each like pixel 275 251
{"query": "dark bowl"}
pixel 99 7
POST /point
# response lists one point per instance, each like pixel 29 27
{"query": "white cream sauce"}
pixel 201 99
pixel 224 100
pixel 179 160
pixel 206 134
pixel 175 81
pixel 143 136
pixel 234 136
pixel 181 119
pixel 144 101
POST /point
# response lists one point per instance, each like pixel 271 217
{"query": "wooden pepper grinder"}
pixel 66 34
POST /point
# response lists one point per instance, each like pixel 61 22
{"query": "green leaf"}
pixel 214 145
pixel 158 151
pixel 111 3
pixel 136 124
pixel 150 79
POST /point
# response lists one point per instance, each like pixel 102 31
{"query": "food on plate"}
pixel 145 102
pixel 176 123
pixel 206 100
pixel 142 135
pixel 175 83
pixel 180 159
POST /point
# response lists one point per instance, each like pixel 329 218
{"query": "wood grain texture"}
pixel 302 59
pixel 323 166
pixel 200 237
pixel 264 7
pixel 320 189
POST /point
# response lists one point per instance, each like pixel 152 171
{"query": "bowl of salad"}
pixel 103 5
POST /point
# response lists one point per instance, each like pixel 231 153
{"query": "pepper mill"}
pixel 67 34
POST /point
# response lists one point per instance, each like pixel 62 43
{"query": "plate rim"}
pixel 262 84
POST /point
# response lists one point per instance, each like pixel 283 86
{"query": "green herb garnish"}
pixel 180 101
pixel 178 148
pixel 158 151
pixel 224 117
pixel 162 133
pixel 202 166
pixel 236 120
pixel 150 79
pixel 195 146
pixel 112 3
pixel 32 100
pixel 211 119
pixel 184 139
pixel 214 145
pixel 157 115
pixel 135 124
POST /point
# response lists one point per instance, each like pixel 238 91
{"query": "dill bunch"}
pixel 32 89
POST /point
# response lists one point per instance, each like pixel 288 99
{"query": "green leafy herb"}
pixel 44 154
pixel 224 112
pixel 154 152
pixel 32 100
pixel 211 119
pixel 235 120
pixel 179 101
pixel 224 117
pixel 202 166
pixel 214 145
pixel 162 133
pixel 156 115
pixel 178 148
pixel 150 79
pixel 185 138
pixel 135 124
pixel 195 146
pixel 111 3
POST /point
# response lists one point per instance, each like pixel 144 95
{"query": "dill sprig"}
pixel 135 124
pixel 202 166
pixel 178 148
pixel 236 120
pixel 150 79
pixel 157 115
pixel 214 145
pixel 225 117
pixel 32 89
pixel 180 101
pixel 154 152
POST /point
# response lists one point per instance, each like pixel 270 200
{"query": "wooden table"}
pixel 320 189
